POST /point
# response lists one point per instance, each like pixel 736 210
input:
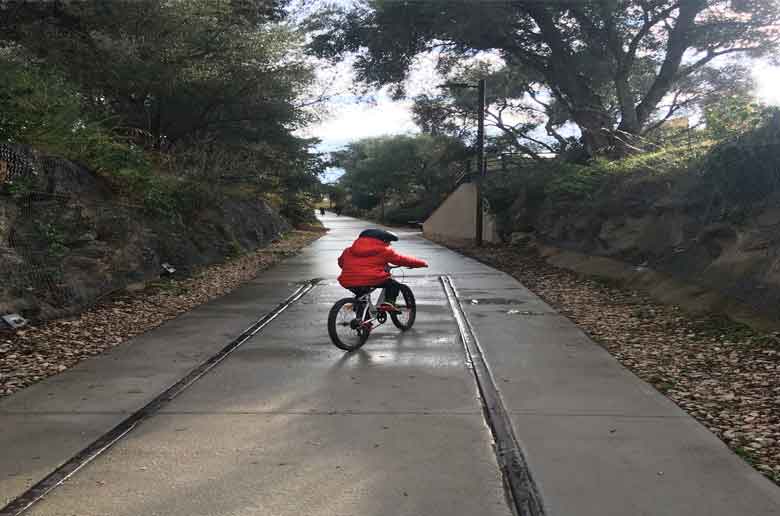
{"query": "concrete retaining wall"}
pixel 456 218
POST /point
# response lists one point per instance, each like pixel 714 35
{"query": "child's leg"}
pixel 392 288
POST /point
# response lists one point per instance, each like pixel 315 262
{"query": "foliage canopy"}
pixel 613 67
pixel 210 91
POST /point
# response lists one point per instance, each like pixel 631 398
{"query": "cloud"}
pixel 767 78
pixel 348 122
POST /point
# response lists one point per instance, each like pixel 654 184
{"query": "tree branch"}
pixel 711 54
pixel 552 132
pixel 516 134
pixel 649 23
pixel 538 142
pixel 676 46
pixel 673 108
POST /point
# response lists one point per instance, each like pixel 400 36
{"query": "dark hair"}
pixel 380 234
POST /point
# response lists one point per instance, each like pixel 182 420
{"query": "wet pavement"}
pixel 289 424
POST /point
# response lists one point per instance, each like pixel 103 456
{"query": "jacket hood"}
pixel 367 246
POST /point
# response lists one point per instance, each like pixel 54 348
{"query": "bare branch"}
pixel 675 48
pixel 555 134
pixel 674 107
pixel 712 54
pixel 538 142
pixel 649 23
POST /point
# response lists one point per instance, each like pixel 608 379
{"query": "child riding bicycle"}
pixel 364 264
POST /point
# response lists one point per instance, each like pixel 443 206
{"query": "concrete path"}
pixel 289 424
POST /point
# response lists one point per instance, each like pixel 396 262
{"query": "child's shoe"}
pixel 389 308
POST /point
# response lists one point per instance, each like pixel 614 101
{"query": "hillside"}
pixel 68 237
pixel 706 216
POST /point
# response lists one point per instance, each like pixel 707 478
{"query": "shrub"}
pixel 41 109
pixel 298 210
pixel 401 215
pixel 745 169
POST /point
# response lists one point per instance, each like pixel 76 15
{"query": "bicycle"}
pixel 352 319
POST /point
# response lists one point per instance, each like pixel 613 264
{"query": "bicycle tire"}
pixel 332 329
pixel 411 304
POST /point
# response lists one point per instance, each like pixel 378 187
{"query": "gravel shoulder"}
pixel 42 350
pixel 722 373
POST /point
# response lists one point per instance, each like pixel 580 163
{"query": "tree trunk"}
pixel 597 131
pixel 675 49
pixel 629 121
pixel 573 89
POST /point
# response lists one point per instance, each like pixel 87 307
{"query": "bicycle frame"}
pixel 370 313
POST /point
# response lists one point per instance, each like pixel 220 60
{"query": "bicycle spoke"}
pixel 349 333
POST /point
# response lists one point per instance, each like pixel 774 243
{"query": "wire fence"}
pixel 55 237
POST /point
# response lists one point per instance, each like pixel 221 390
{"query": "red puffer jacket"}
pixel 363 264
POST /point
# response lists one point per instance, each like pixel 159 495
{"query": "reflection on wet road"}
pixel 290 424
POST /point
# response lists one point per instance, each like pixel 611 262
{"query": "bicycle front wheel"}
pixel 344 325
pixel 408 309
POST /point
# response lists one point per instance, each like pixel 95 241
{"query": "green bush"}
pixel 36 107
pixel 41 109
pixel 733 115
pixel 570 181
pixel 298 210
pixel 402 215
pixel 563 181
pixel 745 169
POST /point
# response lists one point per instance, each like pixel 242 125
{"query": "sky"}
pixel 350 115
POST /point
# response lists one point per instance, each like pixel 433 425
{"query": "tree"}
pixel 637 52
pixel 177 70
pixel 733 115
pixel 513 107
pixel 215 86
pixel 409 169
pixel 337 194
pixel 376 168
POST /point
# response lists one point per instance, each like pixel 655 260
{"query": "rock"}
pixel 521 238
pixel 82 238
pixel 60 253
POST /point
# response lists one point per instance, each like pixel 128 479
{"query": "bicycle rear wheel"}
pixel 344 325
pixel 408 307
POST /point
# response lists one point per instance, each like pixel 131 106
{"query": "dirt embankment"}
pixel 704 233
pixel 67 238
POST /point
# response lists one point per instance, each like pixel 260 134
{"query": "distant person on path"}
pixel 322 211
pixel 364 264
pixel 338 210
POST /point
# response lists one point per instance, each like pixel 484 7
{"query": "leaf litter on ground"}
pixel 48 348
pixel 722 373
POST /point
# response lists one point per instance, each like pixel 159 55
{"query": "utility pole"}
pixel 480 160
pixel 480 172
